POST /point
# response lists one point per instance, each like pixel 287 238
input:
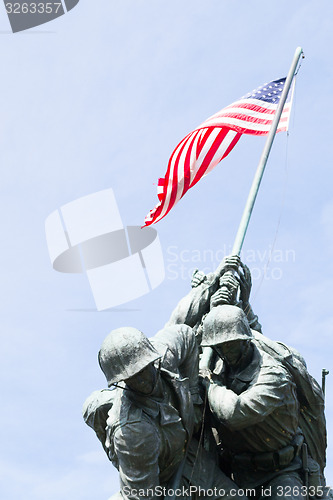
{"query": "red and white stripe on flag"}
pixel 201 150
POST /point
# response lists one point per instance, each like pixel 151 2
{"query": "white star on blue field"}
pixel 269 92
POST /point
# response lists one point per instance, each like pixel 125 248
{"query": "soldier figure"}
pixel 153 415
pixel 255 408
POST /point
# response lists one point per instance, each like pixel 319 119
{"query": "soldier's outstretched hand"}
pixel 205 377
pixel 198 277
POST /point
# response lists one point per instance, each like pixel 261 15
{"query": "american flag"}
pixel 201 150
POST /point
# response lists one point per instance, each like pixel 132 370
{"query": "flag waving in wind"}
pixel 201 150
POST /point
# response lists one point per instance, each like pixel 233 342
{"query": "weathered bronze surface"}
pixel 252 420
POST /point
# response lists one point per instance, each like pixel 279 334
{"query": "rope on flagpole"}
pixel 239 240
pixel 263 159
pixel 286 165
pixel 272 246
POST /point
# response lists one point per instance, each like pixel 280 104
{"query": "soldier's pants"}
pixel 202 478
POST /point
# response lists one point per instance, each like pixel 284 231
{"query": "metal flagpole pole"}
pixel 207 351
pixel 264 157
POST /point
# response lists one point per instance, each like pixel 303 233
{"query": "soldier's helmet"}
pixel 125 352
pixel 224 324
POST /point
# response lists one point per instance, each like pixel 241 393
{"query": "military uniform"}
pixel 255 409
pixel 256 414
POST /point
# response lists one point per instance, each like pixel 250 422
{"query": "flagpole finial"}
pixel 299 52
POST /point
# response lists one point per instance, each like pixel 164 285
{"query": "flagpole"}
pixel 264 157
pixel 238 243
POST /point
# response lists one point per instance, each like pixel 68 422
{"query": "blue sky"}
pixel 99 98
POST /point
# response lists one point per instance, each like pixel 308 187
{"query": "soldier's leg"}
pixel 287 486
pixel 206 479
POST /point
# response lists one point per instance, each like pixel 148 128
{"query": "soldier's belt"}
pixel 271 461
